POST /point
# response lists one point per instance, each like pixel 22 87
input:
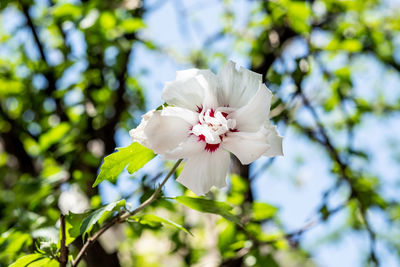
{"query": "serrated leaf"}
pixel 25 260
pixel 210 206
pixel 135 156
pixel 99 216
pixel 150 218
pixel 263 211
pixel 73 226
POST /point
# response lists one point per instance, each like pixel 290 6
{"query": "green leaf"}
pixel 107 20
pixel 17 241
pixel 10 87
pixel 99 216
pixel 351 45
pixel 154 220
pixel 226 238
pixel 44 262
pixel 26 260
pixel 267 260
pixel 239 187
pixel 344 73
pixel 210 206
pixel 135 156
pixel 53 135
pixel 299 14
pixel 73 226
pixel 161 107
pixel 132 25
pixel 67 10
pixel 263 211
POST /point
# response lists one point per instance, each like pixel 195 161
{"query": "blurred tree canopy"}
pixel 66 89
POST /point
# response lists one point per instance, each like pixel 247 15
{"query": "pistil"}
pixel 213 125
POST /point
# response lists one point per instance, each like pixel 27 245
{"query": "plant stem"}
pixel 122 217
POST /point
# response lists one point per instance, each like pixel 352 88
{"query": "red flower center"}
pixel 212 127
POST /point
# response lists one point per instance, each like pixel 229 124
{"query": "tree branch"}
pixel 124 216
pixel 342 168
pixel 64 249
pixel 49 72
pixel 29 21
pixel 13 145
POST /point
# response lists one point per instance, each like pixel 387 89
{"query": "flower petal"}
pixel 208 80
pixel 191 89
pixel 160 133
pixel 183 113
pixel 238 86
pixel 186 93
pixel 186 149
pixel 190 73
pixel 247 146
pixel 252 117
pixel 275 141
pixel 204 170
pixel 210 93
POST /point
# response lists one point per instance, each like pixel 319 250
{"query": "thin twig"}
pixel 122 217
pixel 49 72
pixel 295 235
pixel 372 236
pixel 342 168
pixel 64 249
pixel 29 21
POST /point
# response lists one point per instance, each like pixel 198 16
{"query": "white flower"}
pixel 209 116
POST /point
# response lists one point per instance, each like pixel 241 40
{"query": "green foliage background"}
pixel 48 142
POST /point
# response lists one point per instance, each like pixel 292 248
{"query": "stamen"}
pixel 213 126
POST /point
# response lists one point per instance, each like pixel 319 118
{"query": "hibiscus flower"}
pixel 207 117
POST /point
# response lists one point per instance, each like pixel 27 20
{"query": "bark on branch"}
pixel 123 217
pixel 64 249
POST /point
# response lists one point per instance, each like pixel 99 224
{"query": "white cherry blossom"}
pixel 207 117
